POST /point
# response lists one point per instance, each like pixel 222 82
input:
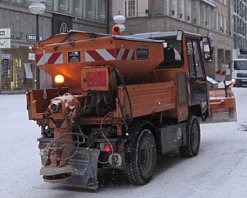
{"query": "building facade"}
pixel 18 26
pixel 211 18
pixel 240 25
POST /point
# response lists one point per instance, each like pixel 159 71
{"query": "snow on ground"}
pixel 219 170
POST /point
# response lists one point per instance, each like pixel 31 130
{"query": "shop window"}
pixel 18 73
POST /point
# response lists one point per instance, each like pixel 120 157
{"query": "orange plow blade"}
pixel 222 105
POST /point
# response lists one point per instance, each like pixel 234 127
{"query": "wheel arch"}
pixel 195 110
pixel 146 124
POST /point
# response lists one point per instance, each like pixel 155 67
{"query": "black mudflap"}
pixel 80 171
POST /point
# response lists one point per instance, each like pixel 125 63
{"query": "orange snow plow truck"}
pixel 120 101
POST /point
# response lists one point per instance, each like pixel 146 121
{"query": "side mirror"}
pixel 207 50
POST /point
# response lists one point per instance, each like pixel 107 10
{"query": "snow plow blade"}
pixel 80 171
pixel 222 105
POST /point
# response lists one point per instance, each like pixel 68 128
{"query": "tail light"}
pixel 106 147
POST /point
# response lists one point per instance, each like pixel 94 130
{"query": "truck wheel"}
pixel 140 157
pixel 193 137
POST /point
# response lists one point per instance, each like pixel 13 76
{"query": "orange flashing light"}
pixel 59 79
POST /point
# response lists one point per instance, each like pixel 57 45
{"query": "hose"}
pixel 125 89
pixel 119 77
pixel 107 140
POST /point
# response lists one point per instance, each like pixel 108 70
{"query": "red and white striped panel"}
pixel 109 54
pixel 49 58
pixel 125 54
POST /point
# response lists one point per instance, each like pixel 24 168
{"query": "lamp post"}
pixel 119 24
pixel 37 8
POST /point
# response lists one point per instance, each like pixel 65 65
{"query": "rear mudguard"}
pixel 80 171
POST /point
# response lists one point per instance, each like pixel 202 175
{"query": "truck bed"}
pixel 148 98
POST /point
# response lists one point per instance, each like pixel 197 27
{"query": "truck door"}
pixel 198 83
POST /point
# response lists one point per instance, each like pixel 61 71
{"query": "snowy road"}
pixel 218 171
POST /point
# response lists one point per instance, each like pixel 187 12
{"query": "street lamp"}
pixel 119 24
pixel 37 8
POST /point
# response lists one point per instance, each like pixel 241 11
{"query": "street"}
pixel 219 170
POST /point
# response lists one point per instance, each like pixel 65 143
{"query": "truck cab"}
pixel 185 58
pixel 239 72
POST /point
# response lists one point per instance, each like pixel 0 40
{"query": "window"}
pixel 77 8
pixel 49 4
pixel 91 9
pixel 173 55
pixel 64 6
pixel 27 2
pixel 142 52
pixel 240 65
pixel 195 62
pixel 74 57
pixel 130 8
pixel 102 10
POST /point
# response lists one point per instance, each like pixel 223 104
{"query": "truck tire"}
pixel 140 157
pixel 193 136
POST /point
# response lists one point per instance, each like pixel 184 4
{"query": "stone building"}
pixel 211 18
pixel 240 24
pixel 17 71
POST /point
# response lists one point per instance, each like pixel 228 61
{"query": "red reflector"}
pixel 96 79
pixel 107 148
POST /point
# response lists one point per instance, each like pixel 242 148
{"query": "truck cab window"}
pixel 172 54
pixel 195 61
pixel 240 65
